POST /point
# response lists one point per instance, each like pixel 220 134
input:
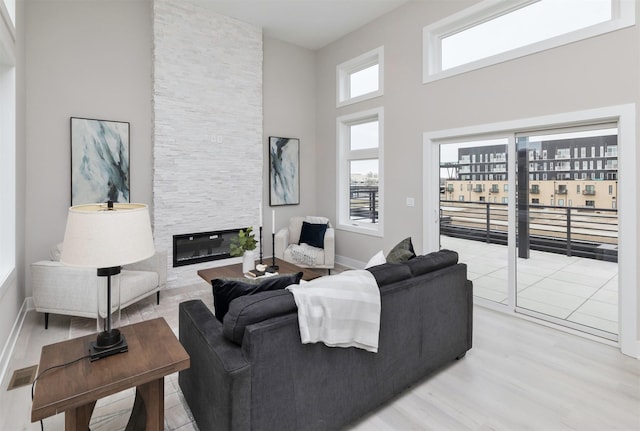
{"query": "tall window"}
pixel 360 140
pixel 7 141
pixel 360 78
pixel 491 32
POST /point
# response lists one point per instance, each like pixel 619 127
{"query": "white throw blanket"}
pixel 340 310
pixel 304 254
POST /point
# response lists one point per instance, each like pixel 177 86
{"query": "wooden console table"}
pixel 154 352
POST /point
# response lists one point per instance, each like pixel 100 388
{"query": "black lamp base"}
pixel 108 343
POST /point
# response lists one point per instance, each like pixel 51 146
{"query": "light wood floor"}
pixel 518 376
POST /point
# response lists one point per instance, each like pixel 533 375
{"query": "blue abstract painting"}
pixel 99 161
pixel 284 158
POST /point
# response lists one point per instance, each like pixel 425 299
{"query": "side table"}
pixel 154 352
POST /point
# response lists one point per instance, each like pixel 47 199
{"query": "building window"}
pixel 361 78
pixel 492 32
pixel 360 167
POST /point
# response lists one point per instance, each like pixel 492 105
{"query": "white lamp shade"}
pixel 96 237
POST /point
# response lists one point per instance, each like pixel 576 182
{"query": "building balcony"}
pixel 589 192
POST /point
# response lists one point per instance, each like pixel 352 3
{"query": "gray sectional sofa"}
pixel 252 372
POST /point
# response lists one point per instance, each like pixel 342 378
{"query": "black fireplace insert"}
pixel 192 248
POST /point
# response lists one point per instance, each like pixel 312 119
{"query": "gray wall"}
pixel 83 59
pixel 598 72
pixel 289 111
pixel 593 73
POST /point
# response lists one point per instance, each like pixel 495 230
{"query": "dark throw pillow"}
pixel 402 252
pixel 313 234
pixel 226 290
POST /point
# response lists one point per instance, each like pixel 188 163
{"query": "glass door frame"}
pixel 625 116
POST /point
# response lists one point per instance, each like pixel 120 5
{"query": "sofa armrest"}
pixel 281 242
pixel 217 386
pixel 330 247
pixel 156 263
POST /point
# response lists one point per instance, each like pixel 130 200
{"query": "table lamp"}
pixel 107 236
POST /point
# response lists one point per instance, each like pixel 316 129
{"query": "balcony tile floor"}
pixel 579 290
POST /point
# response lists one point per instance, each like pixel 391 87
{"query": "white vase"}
pixel 248 261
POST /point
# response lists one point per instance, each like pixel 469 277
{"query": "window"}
pixel 492 32
pixel 7 142
pixel 360 168
pixel 361 78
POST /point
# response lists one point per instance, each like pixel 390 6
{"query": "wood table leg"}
pixel 148 407
pixel 78 419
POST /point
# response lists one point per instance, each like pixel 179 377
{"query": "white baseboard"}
pixel 350 263
pixel 9 346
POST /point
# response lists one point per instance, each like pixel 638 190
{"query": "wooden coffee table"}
pixel 154 352
pixel 236 271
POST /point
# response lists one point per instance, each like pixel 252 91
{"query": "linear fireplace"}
pixel 192 248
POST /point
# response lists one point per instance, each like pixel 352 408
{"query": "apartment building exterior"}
pixel 580 172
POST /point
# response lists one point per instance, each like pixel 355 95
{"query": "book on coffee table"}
pixel 254 273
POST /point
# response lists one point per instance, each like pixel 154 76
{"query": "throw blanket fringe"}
pixel 340 310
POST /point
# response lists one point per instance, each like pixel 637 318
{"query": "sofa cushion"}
pixel 390 273
pixel 432 261
pixel 401 252
pixel 226 290
pixel 247 310
pixel 313 234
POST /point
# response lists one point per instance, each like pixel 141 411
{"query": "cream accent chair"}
pixel 70 290
pixel 287 248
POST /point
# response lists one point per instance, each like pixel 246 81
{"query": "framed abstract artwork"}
pixel 284 171
pixel 99 161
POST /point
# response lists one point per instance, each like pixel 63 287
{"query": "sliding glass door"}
pixel 474 197
pixel 535 217
pixel 567 227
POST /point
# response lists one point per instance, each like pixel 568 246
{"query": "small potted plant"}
pixel 243 245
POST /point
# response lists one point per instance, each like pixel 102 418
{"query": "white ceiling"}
pixel 308 23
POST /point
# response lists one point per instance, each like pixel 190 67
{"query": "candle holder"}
pixel 261 245
pixel 273 267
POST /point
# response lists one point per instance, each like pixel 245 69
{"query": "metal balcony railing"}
pixel 589 192
pixel 575 231
pixel 534 191
pixel 363 203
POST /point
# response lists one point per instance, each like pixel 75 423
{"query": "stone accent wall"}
pixel 207 126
